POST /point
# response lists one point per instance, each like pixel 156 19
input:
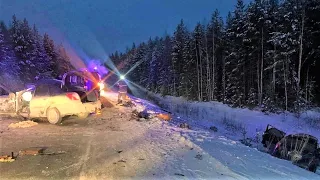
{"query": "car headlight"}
pixel 101 85
pixel 27 96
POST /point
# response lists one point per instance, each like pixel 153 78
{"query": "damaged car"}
pixel 301 149
pixel 47 99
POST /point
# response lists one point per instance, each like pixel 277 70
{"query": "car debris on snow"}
pixel 185 126
pixel 32 151
pixel 199 156
pixel 178 174
pixel 214 128
pixel 23 124
pixel 166 117
pixel 122 161
pixel 7 158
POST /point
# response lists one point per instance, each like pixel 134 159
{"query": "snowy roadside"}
pixel 236 123
pixel 224 146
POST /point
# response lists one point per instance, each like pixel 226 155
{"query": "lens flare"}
pixel 27 96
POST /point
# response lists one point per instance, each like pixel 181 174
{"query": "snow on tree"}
pixel 265 55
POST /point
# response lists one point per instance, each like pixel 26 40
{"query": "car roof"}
pixel 48 81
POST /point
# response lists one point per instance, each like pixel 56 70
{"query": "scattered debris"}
pixel 53 153
pixel 191 148
pixel 144 114
pixel 119 151
pixel 166 117
pixel 214 128
pixel 6 159
pixel 178 174
pixel 199 156
pixel 246 142
pixel 122 161
pixel 184 125
pixel 128 104
pixel 32 151
pixel 141 159
pixel 22 124
pixel 135 112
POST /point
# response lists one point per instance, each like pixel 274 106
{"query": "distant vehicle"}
pixel 301 149
pixel 46 99
pixel 86 83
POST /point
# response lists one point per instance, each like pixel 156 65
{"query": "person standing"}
pixel 123 90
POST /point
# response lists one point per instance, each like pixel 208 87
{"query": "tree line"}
pixel 263 54
pixel 25 54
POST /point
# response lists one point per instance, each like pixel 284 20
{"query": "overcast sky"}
pixel 96 28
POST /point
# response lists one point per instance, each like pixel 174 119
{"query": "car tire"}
pixel 54 116
pixel 83 115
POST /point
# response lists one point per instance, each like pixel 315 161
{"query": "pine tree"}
pixel 39 56
pixel 9 72
pixel 198 36
pixel 179 42
pixel 235 61
pixel 62 61
pixel 214 37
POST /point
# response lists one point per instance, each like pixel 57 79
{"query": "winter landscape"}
pixel 199 100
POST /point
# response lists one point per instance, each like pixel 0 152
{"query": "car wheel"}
pixel 83 115
pixel 54 116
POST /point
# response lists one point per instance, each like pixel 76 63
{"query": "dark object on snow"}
pixel 199 156
pixel 178 174
pixel 184 125
pixel 214 129
pixel 122 161
pixel 271 136
pixel 246 141
pixel 301 149
pixel 144 114
pixel 128 104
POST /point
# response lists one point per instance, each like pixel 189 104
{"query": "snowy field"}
pixel 222 150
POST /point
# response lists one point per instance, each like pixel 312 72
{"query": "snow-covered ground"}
pixel 234 122
pixel 219 155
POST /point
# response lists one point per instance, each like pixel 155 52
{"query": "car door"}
pixel 39 101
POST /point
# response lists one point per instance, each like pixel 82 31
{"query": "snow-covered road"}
pixel 113 145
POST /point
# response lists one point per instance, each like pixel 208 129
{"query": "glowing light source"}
pixel 101 85
pixel 27 96
pixel 95 68
pixel 122 77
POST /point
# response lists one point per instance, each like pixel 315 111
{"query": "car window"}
pixel 55 89
pixel 42 90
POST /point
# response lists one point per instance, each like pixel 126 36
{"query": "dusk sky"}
pixel 96 28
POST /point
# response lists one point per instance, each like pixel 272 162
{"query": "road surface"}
pixel 114 145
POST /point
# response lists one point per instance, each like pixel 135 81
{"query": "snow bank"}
pixel 238 122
